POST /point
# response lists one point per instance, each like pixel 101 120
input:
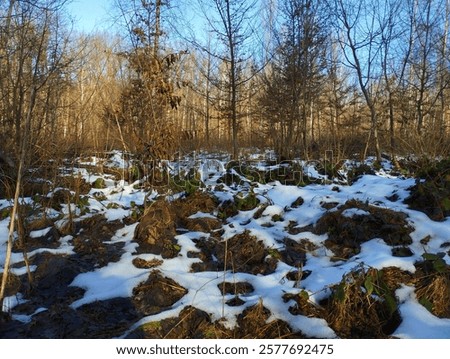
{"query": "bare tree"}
pixel 360 42
pixel 444 79
pixel 391 36
pixel 33 61
pixel 294 85
pixel 232 23
pixel 337 90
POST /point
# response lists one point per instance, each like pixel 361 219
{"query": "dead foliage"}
pixel 92 241
pixel 156 294
pixel 191 323
pixel 144 264
pixel 432 195
pixel 303 306
pixel 157 230
pixel 345 234
pixel 394 277
pixel 362 306
pixel 294 252
pixel 235 288
pixel 253 323
pixel 434 294
pixel 13 284
pixel 432 282
pixel 243 253
pixel 158 226
pixel 206 225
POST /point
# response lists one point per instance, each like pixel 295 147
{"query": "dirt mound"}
pixel 157 230
pixel 156 294
pixel 243 253
pixel 206 225
pixel 195 202
pixel 191 323
pixel 235 288
pixel 91 242
pixel 347 230
pixel 240 253
pixel 253 324
pixel 294 252
pixel 432 194
pixel 194 323
pixel 89 321
pixel 144 264
pixel 158 226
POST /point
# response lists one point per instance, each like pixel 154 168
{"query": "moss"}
pixel 5 213
pixel 277 218
pixel 99 183
pixel 274 253
pixel 246 202
pixel 112 205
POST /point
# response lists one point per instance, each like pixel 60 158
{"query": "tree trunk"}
pixel 14 212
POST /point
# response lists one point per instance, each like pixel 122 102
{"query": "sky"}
pixel 90 15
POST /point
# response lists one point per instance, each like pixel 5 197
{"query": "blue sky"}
pixel 90 14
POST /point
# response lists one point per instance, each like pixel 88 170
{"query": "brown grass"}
pixel 435 290
pixel 353 312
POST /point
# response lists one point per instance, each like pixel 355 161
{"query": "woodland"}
pixel 319 82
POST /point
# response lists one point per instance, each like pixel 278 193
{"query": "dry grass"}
pixel 362 306
pixel 433 291
pixel 253 323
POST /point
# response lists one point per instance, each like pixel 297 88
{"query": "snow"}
pixel 119 278
pixel 40 233
pixel 418 322
pixel 202 215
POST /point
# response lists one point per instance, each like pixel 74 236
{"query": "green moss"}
pixel 445 204
pixel 277 218
pixel 274 253
pixel 5 213
pixel 152 326
pixel 99 183
pixel 112 205
pixel 246 202
pixel 134 173
pixel 100 196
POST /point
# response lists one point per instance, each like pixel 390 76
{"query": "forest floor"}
pixel 230 249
